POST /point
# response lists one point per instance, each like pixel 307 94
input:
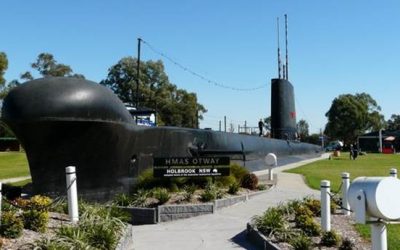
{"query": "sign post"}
pixel 191 166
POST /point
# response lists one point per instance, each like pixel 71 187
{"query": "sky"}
pixel 335 47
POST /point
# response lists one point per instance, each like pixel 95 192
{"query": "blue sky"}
pixel 335 47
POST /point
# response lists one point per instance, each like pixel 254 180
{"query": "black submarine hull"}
pixel 64 122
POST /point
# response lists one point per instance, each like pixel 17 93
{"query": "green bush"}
pixel 225 181
pixel 301 242
pixel 122 200
pixel 188 192
pixel 330 239
pixel 36 220
pixel 234 188
pixel 271 222
pixel 53 243
pixel 314 206
pixel 11 225
pixel 161 194
pixel 249 181
pixel 308 225
pixel 139 198
pixel 40 203
pixel 302 210
pixel 347 244
pixel 262 187
pixel 211 192
pixel 238 172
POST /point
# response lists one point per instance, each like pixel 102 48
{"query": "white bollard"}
pixel 393 172
pixel 271 162
pixel 379 236
pixel 345 188
pixel 72 194
pixel 325 206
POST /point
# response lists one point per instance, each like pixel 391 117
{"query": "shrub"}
pixel 188 192
pixel 347 244
pixel 36 220
pixel 8 207
pixel 238 172
pixel 330 239
pixel 249 181
pixel 53 243
pixel 301 242
pixel 161 194
pixel 302 210
pixel 234 188
pixel 122 200
pixel 225 181
pixel 211 192
pixel 40 203
pixel 11 225
pixel 314 206
pixel 271 222
pixel 308 225
pixel 102 237
pixel 262 187
pixel 139 198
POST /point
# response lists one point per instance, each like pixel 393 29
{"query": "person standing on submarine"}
pixel 260 127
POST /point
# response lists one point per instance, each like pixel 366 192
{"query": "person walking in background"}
pixel 260 127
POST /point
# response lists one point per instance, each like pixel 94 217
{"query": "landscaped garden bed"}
pixel 296 225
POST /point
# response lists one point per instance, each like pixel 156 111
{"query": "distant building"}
pixel 390 141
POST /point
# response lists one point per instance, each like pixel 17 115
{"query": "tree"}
pixel 302 129
pixel 46 65
pixel 3 67
pixel 394 122
pixel 175 107
pixel 352 115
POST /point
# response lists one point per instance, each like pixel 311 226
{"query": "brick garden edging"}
pixel 258 239
pixel 165 213
pixel 126 240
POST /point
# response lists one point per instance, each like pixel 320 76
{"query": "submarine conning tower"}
pixel 283 112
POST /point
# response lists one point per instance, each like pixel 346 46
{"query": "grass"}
pixel 13 164
pixel 368 165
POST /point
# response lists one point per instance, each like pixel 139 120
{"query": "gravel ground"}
pixel 56 220
pixel 343 225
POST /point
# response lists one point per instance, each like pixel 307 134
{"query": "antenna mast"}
pixel 279 50
pixel 287 56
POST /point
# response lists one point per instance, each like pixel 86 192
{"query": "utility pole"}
pixel 224 123
pixel 138 75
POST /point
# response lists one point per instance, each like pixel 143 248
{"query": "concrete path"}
pixel 16 179
pixel 224 229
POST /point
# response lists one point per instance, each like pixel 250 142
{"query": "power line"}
pixel 184 68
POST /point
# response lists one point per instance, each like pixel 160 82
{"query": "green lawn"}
pixel 13 164
pixel 369 165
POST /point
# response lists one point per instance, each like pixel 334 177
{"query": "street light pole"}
pixel 138 75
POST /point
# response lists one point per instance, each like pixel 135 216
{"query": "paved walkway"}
pixel 224 229
pixel 16 179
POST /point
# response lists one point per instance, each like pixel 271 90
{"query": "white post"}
pixel 379 236
pixel 271 162
pixel 325 206
pixel 72 194
pixel 345 188
pixel 393 172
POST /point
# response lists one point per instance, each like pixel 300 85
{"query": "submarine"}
pixel 67 121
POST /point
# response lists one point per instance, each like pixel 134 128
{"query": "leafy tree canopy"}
pixel 302 129
pixel 352 115
pixel 394 122
pixel 3 67
pixel 47 65
pixel 175 107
